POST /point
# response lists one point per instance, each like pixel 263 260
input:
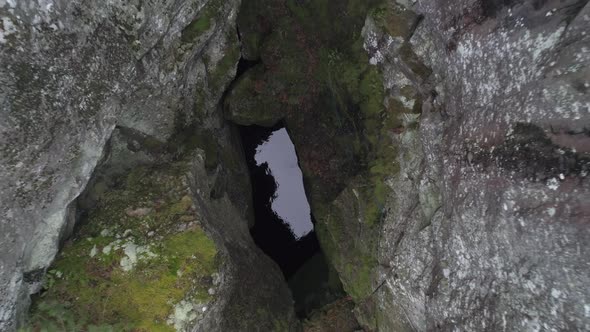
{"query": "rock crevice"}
pixel 444 145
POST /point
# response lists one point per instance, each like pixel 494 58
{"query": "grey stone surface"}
pixel 487 226
pixel 253 295
pixel 70 72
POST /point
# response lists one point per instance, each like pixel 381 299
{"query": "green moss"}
pixel 372 92
pixel 55 317
pixel 395 19
pixel 202 23
pixel 319 16
pixel 281 325
pixel 352 255
pixel 361 285
pixel 195 29
pixel 252 100
pixel 95 289
pixel 226 67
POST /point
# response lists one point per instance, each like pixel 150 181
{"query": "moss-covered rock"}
pixel 140 261
pixel 338 116
pixel 146 60
pixel 203 22
pixel 396 19
pixel 224 70
pixel 254 100
pixel 354 256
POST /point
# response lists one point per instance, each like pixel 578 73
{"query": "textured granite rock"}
pixel 487 221
pixel 71 71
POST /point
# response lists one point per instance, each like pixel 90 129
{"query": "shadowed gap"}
pixel 283 222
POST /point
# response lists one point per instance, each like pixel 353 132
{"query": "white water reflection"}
pixel 290 202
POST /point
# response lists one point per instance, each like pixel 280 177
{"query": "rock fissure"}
pixel 465 118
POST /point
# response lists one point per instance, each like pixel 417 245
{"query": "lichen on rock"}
pixel 476 164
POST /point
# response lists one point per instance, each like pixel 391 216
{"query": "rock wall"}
pixel 71 72
pixel 488 216
pixel 317 78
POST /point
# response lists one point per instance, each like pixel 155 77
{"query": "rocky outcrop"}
pixel 71 72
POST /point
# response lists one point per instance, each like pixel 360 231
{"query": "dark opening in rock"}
pixel 244 65
pixel 284 227
pixel 283 221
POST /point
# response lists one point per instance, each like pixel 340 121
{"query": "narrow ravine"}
pixel 284 224
pixel 283 227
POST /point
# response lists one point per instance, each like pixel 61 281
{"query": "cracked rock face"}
pixel 71 71
pixel 487 222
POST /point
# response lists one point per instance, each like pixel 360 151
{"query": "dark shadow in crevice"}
pixel 312 280
pixel 270 232
pixel 244 65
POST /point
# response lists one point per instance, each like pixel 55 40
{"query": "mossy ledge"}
pixel 139 262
